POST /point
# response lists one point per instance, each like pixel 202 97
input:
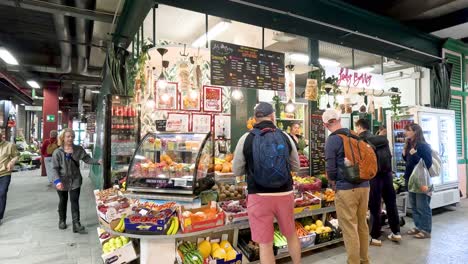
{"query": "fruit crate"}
pixel 325 237
pixel 304 203
pixel 188 226
pixel 235 211
pixel 308 241
pixel 122 255
pixel 251 252
pixel 143 223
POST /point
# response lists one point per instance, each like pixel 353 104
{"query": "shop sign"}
pixel 50 118
pixel 356 79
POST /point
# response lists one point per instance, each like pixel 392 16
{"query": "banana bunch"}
pixel 121 226
pixel 174 221
pixel 114 243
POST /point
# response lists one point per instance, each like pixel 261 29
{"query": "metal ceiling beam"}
pixel 58 9
pixel 438 23
pixel 132 16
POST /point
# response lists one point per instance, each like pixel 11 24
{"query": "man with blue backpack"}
pixel 266 155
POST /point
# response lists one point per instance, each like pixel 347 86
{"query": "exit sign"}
pixel 50 118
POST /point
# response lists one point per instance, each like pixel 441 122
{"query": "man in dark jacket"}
pixel 381 186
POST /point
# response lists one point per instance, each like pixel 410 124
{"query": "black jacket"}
pixel 382 151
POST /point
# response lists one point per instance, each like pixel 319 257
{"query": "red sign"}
pixel 352 78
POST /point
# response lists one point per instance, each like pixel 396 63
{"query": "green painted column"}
pixel 313 105
pixel 240 113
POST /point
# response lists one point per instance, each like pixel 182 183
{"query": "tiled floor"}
pixel 30 235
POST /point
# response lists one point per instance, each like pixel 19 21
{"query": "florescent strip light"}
pixel 212 33
pixel 304 58
pixel 7 57
pixel 33 84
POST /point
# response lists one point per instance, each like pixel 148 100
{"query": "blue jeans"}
pixel 4 183
pixel 422 212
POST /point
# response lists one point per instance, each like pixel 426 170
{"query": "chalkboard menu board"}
pixel 161 125
pixel 239 66
pixel 317 143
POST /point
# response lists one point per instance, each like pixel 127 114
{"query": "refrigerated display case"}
pixel 120 137
pixel 173 163
pixel 438 127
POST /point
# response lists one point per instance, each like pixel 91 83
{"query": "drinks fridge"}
pixel 438 126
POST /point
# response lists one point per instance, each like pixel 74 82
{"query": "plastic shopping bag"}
pixel 420 179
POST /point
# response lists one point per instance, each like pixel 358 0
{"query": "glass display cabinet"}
pixel 166 162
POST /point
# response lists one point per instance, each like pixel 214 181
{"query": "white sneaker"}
pixel 395 237
pixel 375 242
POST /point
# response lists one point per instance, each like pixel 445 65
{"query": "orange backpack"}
pixel 360 158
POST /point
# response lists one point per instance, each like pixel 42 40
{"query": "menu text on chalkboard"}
pixel 161 125
pixel 317 143
pixel 240 66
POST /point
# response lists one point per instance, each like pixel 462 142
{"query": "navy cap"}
pixel 263 109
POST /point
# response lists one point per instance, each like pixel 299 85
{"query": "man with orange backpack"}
pixel 47 148
pixel 350 164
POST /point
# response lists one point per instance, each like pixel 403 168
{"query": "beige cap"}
pixel 330 114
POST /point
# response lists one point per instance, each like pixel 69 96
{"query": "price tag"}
pixel 143 212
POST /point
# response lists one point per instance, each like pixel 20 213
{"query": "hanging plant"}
pixel 395 101
pixel 135 68
pixel 330 86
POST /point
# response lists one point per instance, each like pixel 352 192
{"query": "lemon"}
pixel 313 227
pixel 319 223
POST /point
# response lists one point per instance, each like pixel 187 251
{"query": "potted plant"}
pixel 395 101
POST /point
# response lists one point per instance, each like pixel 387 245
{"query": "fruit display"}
pixel 224 165
pixel 207 252
pixel 307 183
pixel 144 220
pixel 329 195
pixel 306 199
pixel 318 227
pixel 303 160
pixel 121 226
pixel 174 226
pixel 229 191
pixel 235 210
pixel 197 219
pixel 166 168
pixel 114 244
pixel 189 254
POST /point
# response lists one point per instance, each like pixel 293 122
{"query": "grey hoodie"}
pixel 66 170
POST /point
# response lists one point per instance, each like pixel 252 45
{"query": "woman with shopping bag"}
pixel 418 157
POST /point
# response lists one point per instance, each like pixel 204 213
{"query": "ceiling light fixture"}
pixel 33 84
pixel 7 57
pixel 328 62
pixel 367 69
pixel 299 57
pixel 212 33
pixel 95 91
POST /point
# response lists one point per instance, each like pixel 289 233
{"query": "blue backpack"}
pixel 271 158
